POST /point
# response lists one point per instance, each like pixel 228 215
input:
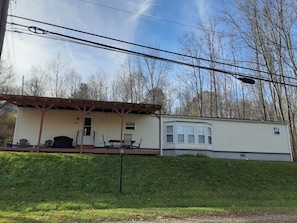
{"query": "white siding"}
pixel 68 123
pixel 251 137
pixel 231 138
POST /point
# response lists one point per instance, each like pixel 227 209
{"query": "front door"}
pixel 88 133
pixel 88 136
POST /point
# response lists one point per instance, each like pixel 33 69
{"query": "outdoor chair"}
pixel 105 145
pixel 48 143
pixel 127 141
pixel 23 143
pixel 137 146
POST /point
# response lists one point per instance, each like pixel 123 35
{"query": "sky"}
pixel 145 22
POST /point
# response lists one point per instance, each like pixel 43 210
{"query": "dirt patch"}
pixel 288 217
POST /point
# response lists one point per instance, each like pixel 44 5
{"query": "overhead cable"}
pixel 153 48
pixel 239 76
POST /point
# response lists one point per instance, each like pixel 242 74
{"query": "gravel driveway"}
pixel 253 218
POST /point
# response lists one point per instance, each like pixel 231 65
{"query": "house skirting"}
pixel 240 155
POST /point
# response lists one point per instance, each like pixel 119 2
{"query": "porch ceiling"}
pixel 79 104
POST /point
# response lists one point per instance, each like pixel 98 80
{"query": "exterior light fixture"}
pixel 246 80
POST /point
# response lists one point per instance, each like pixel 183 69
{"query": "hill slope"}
pixel 31 182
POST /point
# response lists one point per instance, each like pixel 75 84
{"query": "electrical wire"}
pixel 237 75
pixel 153 48
pixel 12 38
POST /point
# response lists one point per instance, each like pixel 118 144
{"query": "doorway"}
pixel 88 135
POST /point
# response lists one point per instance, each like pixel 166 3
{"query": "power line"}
pixel 37 30
pixel 153 48
pixel 239 76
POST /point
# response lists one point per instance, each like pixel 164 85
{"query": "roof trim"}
pixel 80 104
pixel 184 118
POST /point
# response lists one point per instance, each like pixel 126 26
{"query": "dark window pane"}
pixel 169 138
pixel 88 121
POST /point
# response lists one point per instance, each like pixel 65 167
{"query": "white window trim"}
pixel 190 134
pixel 204 134
pixel 207 136
pixel 179 126
pixel 130 126
pixel 173 133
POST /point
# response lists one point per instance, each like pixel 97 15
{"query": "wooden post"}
pixel 43 110
pixel 122 114
pixel 160 135
pixel 84 114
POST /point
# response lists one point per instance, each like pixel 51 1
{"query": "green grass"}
pixel 40 187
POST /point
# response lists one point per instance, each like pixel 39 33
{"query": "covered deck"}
pixel 44 104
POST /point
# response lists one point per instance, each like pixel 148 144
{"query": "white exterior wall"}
pixel 251 137
pixel 238 139
pixel 68 123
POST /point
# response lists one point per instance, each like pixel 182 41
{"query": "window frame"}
pixel 188 133
pixel 180 133
pixel 171 134
pixel 209 135
pixel 87 126
pixel 201 134
pixel 130 126
pixel 191 133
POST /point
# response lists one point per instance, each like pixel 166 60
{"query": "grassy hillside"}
pixel 65 187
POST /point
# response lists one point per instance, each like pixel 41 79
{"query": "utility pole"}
pixel 3 18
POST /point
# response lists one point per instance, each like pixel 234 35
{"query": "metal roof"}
pixel 79 104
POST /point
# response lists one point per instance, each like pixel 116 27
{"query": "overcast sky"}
pixel 128 20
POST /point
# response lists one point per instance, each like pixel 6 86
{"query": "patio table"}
pixel 117 142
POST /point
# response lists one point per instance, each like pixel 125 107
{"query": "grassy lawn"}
pixel 40 187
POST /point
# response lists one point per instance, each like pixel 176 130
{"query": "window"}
pixel 201 134
pixel 88 124
pixel 169 133
pixel 209 135
pixel 180 133
pixel 130 125
pixel 276 131
pixel 191 135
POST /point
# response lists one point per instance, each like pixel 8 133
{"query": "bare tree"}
pixel 98 86
pixel 193 78
pixel 58 72
pixel 126 83
pixel 36 84
pixel 7 78
pixel 153 74
pixel 142 80
pixel 73 82
pixel 266 29
pixel 204 84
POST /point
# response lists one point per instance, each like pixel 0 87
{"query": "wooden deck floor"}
pixel 84 150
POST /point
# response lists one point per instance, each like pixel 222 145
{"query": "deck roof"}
pixel 79 104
